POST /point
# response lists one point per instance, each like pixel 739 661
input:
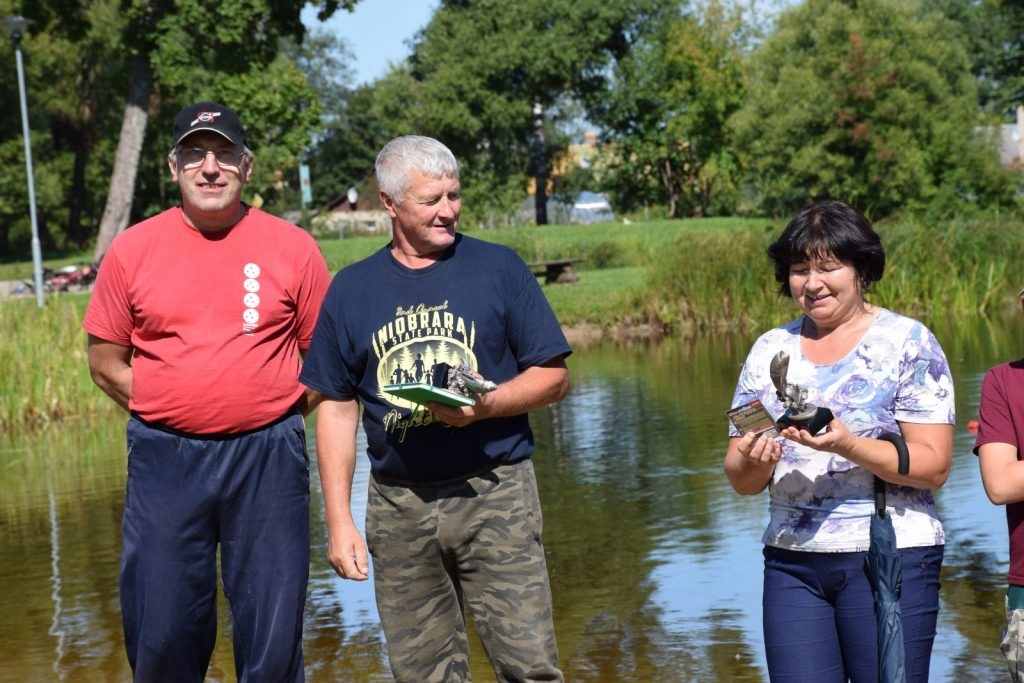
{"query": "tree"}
pixel 117 213
pixel 70 63
pixel 870 101
pixel 485 66
pixel 370 115
pixel 324 58
pixel 665 115
pixel 357 122
pixel 994 34
pixel 169 38
pixel 1006 67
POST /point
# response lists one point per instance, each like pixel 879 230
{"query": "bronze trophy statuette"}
pixel 461 379
pixel 799 412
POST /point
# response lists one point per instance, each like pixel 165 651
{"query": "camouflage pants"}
pixel 475 544
pixel 1012 645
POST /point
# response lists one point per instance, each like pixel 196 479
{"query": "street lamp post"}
pixel 15 27
pixel 540 196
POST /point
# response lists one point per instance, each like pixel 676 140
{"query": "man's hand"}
pixel 460 416
pixel 346 551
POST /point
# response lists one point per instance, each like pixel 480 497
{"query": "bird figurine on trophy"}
pixel 799 412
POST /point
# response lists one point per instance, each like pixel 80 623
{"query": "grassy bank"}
pixel 664 277
pixel 618 260
pixel 46 375
pixel 709 280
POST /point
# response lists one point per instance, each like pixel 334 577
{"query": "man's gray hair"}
pixel 408 153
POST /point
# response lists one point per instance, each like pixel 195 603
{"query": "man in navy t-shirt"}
pixel 453 516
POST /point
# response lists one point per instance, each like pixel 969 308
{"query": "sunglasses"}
pixel 191 157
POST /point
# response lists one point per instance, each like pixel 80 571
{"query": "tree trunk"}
pixel 126 165
pixel 668 181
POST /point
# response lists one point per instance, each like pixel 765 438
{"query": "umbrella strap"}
pixel 902 466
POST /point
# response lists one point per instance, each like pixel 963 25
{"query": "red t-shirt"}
pixel 1001 420
pixel 217 321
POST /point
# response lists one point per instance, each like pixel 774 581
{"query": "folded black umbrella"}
pixel 886 576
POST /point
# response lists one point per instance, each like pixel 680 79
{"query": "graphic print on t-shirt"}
pixel 410 347
pixel 251 314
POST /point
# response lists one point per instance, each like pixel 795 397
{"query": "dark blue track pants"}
pixel 819 615
pixel 185 495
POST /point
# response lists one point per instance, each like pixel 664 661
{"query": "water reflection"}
pixel 56 630
pixel 59 543
pixel 655 563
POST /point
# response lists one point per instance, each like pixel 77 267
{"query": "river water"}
pixel 655 563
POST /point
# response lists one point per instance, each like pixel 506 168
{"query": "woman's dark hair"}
pixel 829 229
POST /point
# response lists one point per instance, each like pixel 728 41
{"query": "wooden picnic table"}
pixel 556 270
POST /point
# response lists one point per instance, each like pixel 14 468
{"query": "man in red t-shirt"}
pixel 998 447
pixel 197 324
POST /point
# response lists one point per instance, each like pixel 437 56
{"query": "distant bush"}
pixel 711 280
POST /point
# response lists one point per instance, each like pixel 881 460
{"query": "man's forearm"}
pixel 110 366
pixel 116 385
pixel 336 425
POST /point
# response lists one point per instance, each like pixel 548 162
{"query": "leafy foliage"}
pixel 871 102
pixel 875 101
pixel 239 55
pixel 70 71
pixel 482 67
pixel 666 114
pixel 78 57
pixel 994 31
pixel 363 120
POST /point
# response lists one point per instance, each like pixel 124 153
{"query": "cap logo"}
pixel 205 117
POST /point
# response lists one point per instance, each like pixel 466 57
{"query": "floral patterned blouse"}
pixel 822 502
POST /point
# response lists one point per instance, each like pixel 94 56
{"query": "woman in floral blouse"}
pixel 878 372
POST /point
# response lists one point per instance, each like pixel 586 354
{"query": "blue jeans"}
pixel 186 495
pixel 819 618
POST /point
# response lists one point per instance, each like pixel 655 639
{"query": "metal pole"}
pixel 37 255
pixel 540 196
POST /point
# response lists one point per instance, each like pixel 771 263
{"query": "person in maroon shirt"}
pixel 998 447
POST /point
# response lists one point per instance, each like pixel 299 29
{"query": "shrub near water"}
pixel 711 280
pixel 949 269
pixel 46 374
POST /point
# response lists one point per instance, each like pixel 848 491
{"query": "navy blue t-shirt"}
pixel 383 323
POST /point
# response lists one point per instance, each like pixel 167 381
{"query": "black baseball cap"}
pixel 211 116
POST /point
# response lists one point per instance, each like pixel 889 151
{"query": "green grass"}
pixel 616 259
pixel 341 252
pixel 599 296
pixel 46 373
pixel 609 245
pixel 603 245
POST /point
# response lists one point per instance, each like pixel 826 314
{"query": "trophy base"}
pixel 813 423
